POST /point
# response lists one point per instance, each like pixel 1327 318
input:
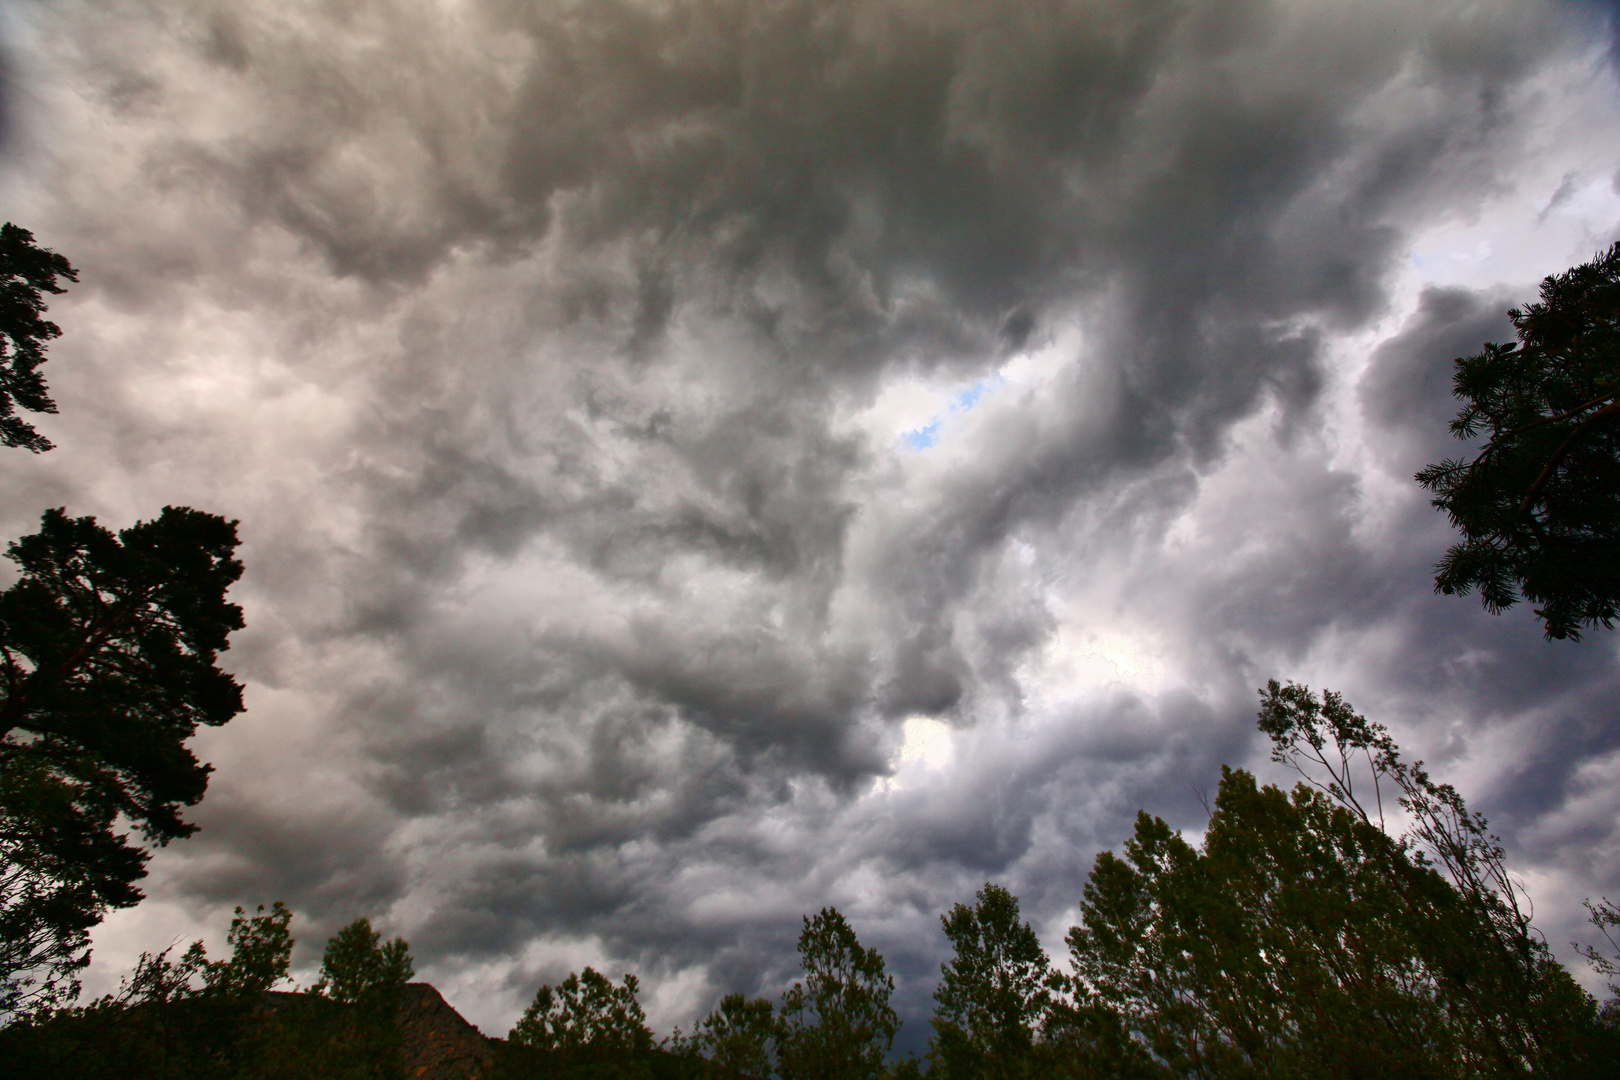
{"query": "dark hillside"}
pixel 439 1043
pixel 267 1037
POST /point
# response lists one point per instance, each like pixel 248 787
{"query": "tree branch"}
pixel 1562 451
pixel 1554 419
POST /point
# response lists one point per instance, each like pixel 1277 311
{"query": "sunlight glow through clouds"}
pixel 927 741
pixel 927 746
pixel 1078 662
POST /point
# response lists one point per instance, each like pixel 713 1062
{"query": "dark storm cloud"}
pixel 545 351
pixel 1406 391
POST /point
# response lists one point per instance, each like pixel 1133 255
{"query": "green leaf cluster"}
pixel 1301 941
pixel 835 1022
pixel 358 966
pixel 261 951
pixel 1539 506
pixel 736 1040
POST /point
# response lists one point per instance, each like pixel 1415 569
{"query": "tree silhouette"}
pixel 1302 939
pixel 27 271
pixel 357 965
pixel 836 1022
pixel 261 952
pixel 992 995
pixel 201 1019
pixel 108 649
pixel 585 1012
pixel 735 1038
pixel 1539 506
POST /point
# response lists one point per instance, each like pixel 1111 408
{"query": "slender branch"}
pixel 1559 454
pixel 1564 416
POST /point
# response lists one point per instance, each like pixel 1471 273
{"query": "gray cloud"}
pixel 556 358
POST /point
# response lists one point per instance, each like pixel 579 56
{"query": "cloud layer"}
pixel 558 360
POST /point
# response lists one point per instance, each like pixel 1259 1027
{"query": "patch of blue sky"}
pixel 970 397
pixel 924 437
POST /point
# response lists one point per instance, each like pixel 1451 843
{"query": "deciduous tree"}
pixel 736 1038
pixel 992 995
pixel 586 1012
pixel 1304 939
pixel 261 952
pixel 836 1023
pixel 358 965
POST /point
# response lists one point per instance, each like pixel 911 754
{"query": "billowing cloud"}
pixel 559 360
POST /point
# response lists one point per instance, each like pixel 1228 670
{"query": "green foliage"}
pixel 736 1038
pixel 585 1012
pixel 361 971
pixel 27 271
pixel 108 648
pixel 588 1028
pixel 358 967
pixel 1539 506
pixel 61 867
pixel 836 1023
pixel 992 994
pixel 1303 940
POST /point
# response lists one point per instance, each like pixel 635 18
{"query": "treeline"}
pixel 1302 938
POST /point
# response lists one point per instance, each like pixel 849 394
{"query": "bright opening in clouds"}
pixel 702 461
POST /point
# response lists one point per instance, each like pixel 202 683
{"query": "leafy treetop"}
pixel 1304 939
pixel 108 650
pixel 261 952
pixel 837 1023
pixel 358 966
pixel 735 1039
pixel 992 994
pixel 585 1012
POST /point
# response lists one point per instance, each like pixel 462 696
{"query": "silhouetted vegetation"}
pixel 200 1019
pixel 108 663
pixel 1539 505
pixel 1303 937
pixel 735 1040
pixel 27 272
pixel 992 995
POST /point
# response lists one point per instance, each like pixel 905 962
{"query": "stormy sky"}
pixel 702 460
